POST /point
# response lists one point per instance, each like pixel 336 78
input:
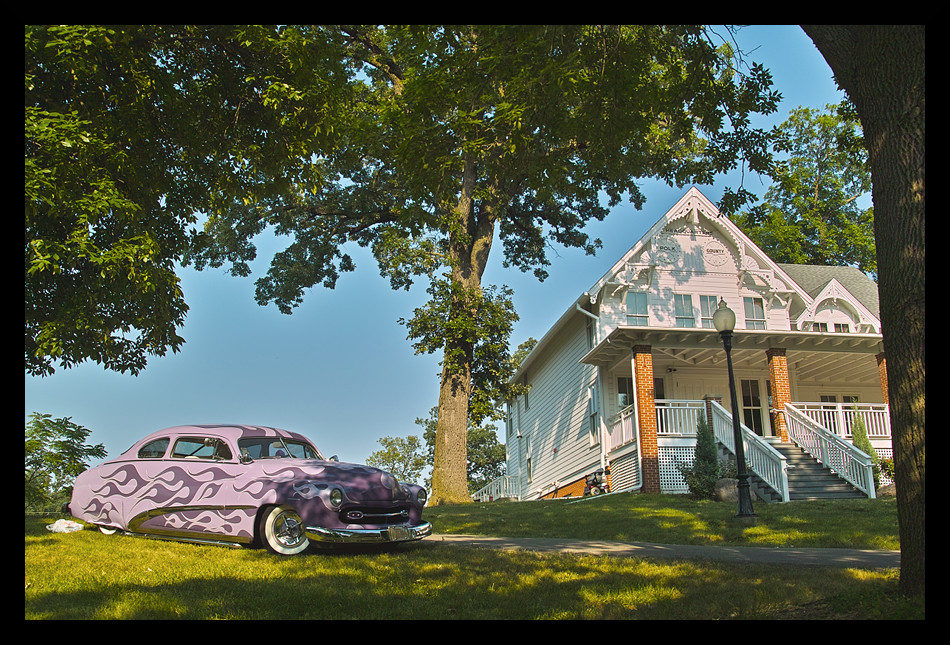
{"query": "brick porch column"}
pixel 709 398
pixel 781 390
pixel 646 417
pixel 882 372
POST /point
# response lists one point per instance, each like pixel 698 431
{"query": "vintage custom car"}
pixel 246 485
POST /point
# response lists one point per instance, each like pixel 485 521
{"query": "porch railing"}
pixel 833 451
pixel 839 418
pixel 761 458
pixel 621 429
pixel 674 417
pixel 507 486
pixel 678 417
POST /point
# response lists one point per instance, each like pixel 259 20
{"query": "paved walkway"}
pixel 856 558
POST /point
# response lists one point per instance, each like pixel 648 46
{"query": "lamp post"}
pixel 725 322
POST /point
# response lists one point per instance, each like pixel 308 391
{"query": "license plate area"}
pixel 398 533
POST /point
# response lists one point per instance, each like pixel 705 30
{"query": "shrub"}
pixel 702 475
pixel 859 437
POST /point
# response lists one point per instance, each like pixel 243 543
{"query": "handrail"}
pixel 762 459
pixel 848 462
pixel 505 486
pixel 839 418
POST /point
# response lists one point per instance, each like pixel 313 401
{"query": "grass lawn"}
pixel 87 575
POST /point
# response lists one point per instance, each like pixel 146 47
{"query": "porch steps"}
pixel 809 479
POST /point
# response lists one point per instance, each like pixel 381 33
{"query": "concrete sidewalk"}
pixel 855 558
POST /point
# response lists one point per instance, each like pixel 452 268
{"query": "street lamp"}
pixel 725 322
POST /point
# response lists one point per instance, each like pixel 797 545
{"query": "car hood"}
pixel 359 482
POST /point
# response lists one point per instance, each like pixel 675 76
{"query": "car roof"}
pixel 227 431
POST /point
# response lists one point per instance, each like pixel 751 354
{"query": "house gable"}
pixel 693 250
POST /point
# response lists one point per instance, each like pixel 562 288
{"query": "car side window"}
pixel 201 448
pixel 154 449
pixel 301 450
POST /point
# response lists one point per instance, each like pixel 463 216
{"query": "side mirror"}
pixel 334 458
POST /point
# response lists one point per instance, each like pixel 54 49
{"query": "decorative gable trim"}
pixel 838 294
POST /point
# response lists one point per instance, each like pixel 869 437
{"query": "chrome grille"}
pixel 376 516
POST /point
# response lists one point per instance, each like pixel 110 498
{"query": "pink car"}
pixel 248 485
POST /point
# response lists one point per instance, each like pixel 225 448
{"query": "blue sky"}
pixel 340 369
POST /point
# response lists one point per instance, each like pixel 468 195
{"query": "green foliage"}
pixel 55 455
pixel 403 458
pixel 129 132
pixel 706 468
pixel 810 214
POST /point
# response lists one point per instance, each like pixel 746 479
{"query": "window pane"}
pixel 708 307
pixel 683 310
pixel 154 449
pixel 754 313
pixel 636 308
pixel 201 448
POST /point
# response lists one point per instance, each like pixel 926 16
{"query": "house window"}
pixel 592 413
pixel 591 333
pixel 528 468
pixel 707 306
pixel 751 405
pixel 637 308
pixel 754 313
pixel 624 391
pixel 819 327
pixel 683 310
pixel 842 328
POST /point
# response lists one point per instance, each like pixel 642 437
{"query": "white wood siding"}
pixel 555 425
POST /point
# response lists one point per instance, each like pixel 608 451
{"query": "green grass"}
pixel 678 519
pixel 87 575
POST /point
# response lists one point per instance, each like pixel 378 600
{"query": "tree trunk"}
pixel 882 69
pixel 469 245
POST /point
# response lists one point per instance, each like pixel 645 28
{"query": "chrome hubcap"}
pixel 289 529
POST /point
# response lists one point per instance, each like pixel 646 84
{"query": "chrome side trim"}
pixel 396 533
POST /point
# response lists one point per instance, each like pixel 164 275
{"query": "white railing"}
pixel 621 429
pixel 507 486
pixel 674 417
pixel 839 455
pixel 839 418
pixel 678 417
pixel 761 458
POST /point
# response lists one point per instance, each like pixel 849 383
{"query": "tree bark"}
pixel 881 67
pixel 469 245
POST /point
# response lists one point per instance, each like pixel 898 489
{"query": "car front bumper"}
pixel 369 536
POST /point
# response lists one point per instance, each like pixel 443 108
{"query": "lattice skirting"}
pixel 625 472
pixel 671 481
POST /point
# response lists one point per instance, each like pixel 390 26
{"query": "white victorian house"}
pixel 621 379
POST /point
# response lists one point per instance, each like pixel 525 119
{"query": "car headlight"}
pixel 422 496
pixel 336 497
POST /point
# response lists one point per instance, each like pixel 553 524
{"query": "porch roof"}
pixel 703 347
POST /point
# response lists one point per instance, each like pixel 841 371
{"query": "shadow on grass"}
pixel 91 576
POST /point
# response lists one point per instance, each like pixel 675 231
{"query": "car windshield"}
pixel 277 448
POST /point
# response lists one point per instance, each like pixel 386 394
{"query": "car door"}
pixel 191 492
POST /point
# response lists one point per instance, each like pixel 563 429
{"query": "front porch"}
pixel 821 429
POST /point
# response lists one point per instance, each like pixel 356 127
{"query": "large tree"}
pixel 882 68
pixel 461 134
